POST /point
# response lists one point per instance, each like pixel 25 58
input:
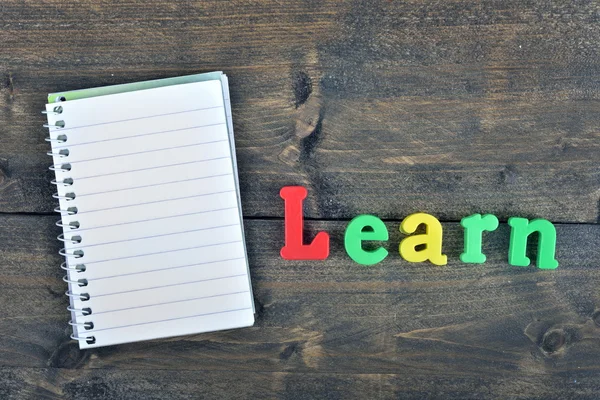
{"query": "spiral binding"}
pixel 71 265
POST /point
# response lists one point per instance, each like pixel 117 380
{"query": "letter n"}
pixel 521 229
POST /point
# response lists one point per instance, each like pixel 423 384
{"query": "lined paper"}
pixel 156 195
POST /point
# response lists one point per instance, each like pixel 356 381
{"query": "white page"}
pixel 227 101
pixel 157 205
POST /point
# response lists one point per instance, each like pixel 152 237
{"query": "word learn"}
pixel 414 248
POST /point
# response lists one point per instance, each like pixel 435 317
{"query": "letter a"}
pixel 294 248
pixel 432 239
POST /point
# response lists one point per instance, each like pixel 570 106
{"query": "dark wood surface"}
pixel 380 107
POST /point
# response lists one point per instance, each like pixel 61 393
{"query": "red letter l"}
pixel 294 249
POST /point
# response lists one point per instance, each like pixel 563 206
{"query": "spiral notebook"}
pixel 150 209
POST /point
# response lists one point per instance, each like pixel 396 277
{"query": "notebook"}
pixel 151 218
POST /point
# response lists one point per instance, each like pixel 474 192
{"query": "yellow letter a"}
pixel 432 239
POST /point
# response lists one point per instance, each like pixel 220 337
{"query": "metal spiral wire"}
pixel 72 265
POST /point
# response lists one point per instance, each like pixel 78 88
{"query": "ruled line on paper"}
pixel 157 167
pixel 166 269
pixel 153 219
pixel 153 202
pixel 147 151
pixel 154 184
pixel 138 118
pixel 83 246
pixel 170 319
pixel 212 264
pixel 171 285
pixel 162 252
pixel 134 136
pixel 170 302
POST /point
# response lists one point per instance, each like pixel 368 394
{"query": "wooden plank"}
pixel 448 108
pixel 54 383
pixel 337 317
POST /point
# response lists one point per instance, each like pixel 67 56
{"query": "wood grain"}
pixel 386 325
pixel 51 383
pixel 384 108
pixel 379 107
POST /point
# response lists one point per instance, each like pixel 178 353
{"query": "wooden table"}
pixel 380 107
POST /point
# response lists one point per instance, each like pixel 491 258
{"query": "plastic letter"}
pixel 432 239
pixel 294 249
pixel 521 228
pixel 474 226
pixel 355 235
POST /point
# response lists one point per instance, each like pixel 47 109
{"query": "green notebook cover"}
pixel 130 87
